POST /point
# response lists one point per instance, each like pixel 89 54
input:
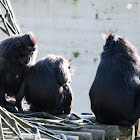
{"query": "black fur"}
pixel 16 55
pixel 47 87
pixel 115 92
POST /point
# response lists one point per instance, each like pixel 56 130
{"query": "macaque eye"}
pixel 18 43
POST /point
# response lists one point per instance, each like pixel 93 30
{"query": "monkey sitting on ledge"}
pixel 17 53
pixel 115 92
pixel 47 86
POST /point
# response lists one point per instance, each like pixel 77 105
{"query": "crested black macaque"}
pixel 47 86
pixel 16 56
pixel 115 92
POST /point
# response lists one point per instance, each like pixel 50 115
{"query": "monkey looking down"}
pixel 47 86
pixel 16 55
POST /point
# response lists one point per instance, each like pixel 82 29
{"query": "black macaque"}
pixel 115 92
pixel 16 56
pixel 47 86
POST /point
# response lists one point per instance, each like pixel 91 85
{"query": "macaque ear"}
pixel 18 43
pixel 110 41
pixel 104 36
pixel 32 37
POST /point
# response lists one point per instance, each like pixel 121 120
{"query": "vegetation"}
pixel 76 54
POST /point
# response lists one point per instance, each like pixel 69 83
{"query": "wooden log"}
pixel 126 133
pixel 96 134
pixel 28 136
pixel 111 131
pixel 81 135
pixel 72 137
pixel 39 115
pixel 45 139
pixel 68 137
pixel 31 137
pixel 88 117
